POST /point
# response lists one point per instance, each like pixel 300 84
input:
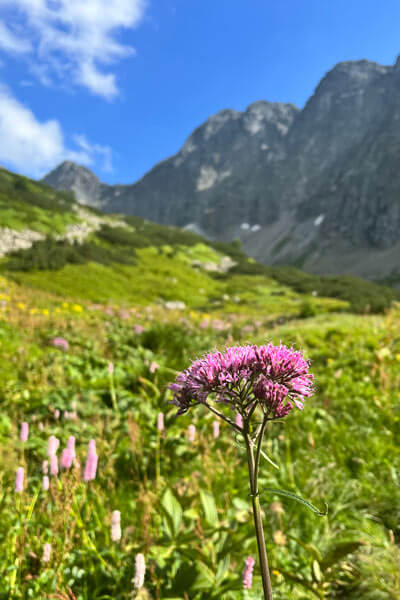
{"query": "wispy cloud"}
pixel 34 147
pixel 72 39
pixel 11 42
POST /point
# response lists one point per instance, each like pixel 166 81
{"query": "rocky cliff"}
pixel 317 187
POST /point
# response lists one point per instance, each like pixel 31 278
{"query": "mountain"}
pixel 318 188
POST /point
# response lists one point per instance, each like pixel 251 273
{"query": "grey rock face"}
pixel 319 188
pixel 87 187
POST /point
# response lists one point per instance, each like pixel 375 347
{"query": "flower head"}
pixel 215 429
pixel 46 552
pixel 19 480
pixel 248 573
pixel 91 462
pixel 60 342
pixel 139 572
pixel 116 526
pixel 52 446
pixel 191 433
pixel 23 436
pixel 160 421
pixel 275 377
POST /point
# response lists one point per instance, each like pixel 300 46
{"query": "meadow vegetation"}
pixel 88 346
pixel 184 505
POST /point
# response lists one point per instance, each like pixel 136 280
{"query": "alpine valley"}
pixel 317 188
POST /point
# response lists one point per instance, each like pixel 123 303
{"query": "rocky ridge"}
pixel 318 187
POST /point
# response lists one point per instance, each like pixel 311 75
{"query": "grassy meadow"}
pixel 88 345
pixel 184 504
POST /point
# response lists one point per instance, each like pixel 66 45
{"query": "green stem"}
pixel 113 394
pixel 253 464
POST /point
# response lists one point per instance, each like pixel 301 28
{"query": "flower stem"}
pixel 253 464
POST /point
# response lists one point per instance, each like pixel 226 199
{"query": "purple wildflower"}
pixel 24 433
pixel 276 377
pixel 248 573
pixel 19 480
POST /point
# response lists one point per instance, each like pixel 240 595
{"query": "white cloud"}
pixel 75 39
pixel 10 42
pixel 34 147
pixel 95 150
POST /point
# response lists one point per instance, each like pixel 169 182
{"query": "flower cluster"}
pixel 276 377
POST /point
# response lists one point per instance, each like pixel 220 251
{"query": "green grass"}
pixel 28 204
pixel 185 506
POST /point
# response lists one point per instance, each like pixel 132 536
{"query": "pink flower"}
pixel 45 483
pixel 215 429
pixel 53 465
pixel 191 434
pixel 239 420
pixel 160 421
pixel 53 445
pixel 110 368
pixel 45 467
pixel 140 571
pixel 56 414
pixel 24 433
pixel 46 553
pixel 116 526
pixel 273 376
pixel 59 342
pixel 66 459
pixel 19 480
pixel 68 454
pixel 248 573
pixel 138 329
pixel 153 367
pixel 91 462
pixel 205 323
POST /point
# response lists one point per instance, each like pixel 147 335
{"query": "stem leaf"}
pixel 293 496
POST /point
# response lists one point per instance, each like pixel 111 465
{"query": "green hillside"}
pixel 91 334
pixel 129 260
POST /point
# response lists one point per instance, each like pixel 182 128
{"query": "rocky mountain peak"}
pixel 81 180
pixel 317 187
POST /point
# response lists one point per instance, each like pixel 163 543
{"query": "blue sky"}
pixel 118 85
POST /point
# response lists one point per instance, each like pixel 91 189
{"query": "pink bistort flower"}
pixel 24 433
pixel 60 342
pixel 116 526
pixel 46 553
pixel 248 573
pixel 139 572
pixel 91 462
pixel 19 480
